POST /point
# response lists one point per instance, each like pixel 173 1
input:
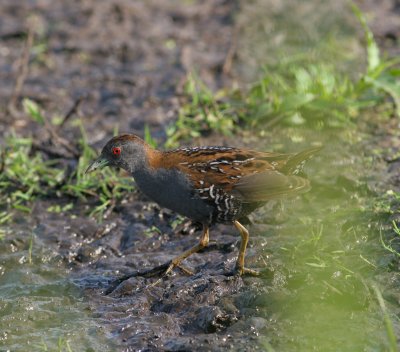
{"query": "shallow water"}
pixel 41 307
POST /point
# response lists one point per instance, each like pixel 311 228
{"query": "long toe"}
pixel 247 271
pixel 185 270
pixel 171 267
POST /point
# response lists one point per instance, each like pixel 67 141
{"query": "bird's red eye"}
pixel 116 151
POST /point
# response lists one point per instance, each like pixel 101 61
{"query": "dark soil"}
pixel 127 58
pixel 384 20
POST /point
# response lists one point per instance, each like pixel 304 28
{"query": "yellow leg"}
pixel 243 245
pixel 175 262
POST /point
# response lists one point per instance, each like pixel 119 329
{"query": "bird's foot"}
pixel 172 265
pixel 246 271
pixel 185 270
pixel 162 270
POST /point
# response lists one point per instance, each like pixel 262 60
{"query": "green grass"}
pixel 27 175
pixel 30 248
pixel 62 345
pixel 204 112
pixel 392 243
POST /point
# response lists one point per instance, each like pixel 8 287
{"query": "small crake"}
pixel 208 184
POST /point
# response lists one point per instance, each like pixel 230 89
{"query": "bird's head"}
pixel 126 151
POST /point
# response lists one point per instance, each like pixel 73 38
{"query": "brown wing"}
pixel 277 183
pixel 221 166
pixel 269 185
pixel 250 175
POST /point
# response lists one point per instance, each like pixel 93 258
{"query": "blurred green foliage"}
pixel 293 92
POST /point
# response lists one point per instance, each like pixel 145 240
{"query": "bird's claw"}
pixel 246 271
pixel 169 269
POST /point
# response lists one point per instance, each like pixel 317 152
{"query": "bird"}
pixel 208 184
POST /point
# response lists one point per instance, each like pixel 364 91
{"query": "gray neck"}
pixel 136 164
pixel 137 160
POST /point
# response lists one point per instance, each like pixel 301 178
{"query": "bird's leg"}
pixel 175 262
pixel 204 239
pixel 243 244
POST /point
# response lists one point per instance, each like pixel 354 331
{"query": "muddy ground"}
pixel 128 60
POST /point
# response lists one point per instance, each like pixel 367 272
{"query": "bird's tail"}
pixel 296 162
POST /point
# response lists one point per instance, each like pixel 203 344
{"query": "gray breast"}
pixel 171 189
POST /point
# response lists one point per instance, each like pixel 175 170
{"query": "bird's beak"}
pixel 99 163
